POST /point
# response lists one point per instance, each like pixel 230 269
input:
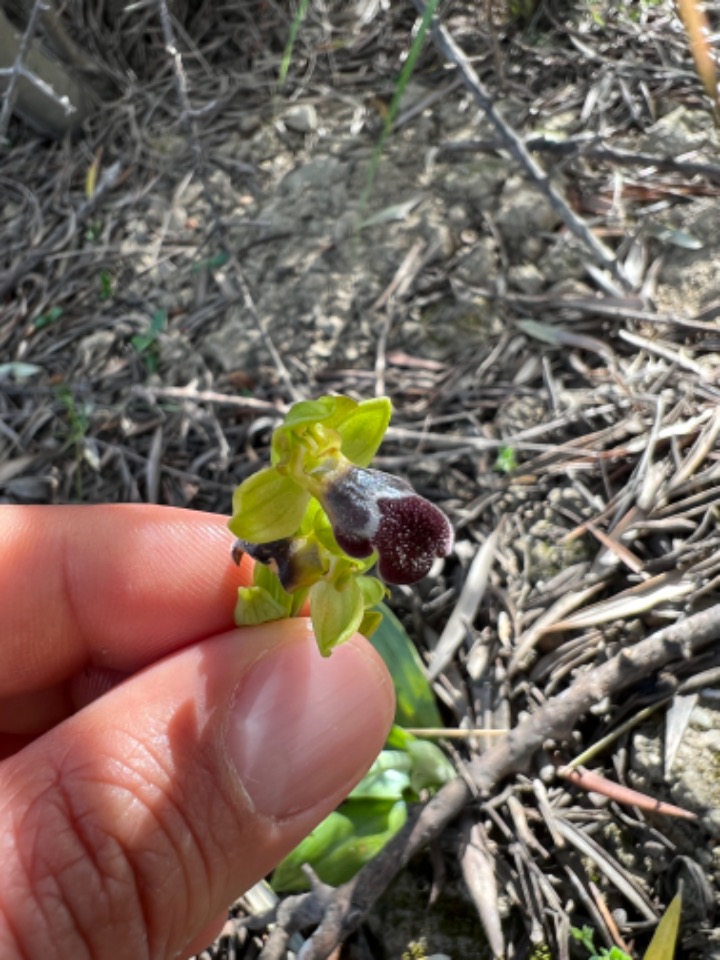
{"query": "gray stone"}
pixel 301 118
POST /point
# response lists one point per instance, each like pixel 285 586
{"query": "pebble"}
pixel 301 118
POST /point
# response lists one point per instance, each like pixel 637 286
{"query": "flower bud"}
pixel 371 510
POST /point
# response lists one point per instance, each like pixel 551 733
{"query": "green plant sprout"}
pixel 400 87
pixel 318 519
pixel 47 319
pixel 506 460
pixel 146 343
pixel 106 285
pixel 586 936
pixel 661 947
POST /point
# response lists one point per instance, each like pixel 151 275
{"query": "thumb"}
pixel 126 829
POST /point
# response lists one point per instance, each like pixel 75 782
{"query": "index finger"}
pixel 117 586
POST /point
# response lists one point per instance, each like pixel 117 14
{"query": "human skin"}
pixel 156 762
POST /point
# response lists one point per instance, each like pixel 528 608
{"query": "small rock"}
pixel 478 266
pixel 249 124
pixel 526 277
pixel 647 758
pixel 524 212
pixel 302 118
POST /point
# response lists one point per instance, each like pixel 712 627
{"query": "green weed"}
pixel 47 319
pixel 586 936
pixel 294 30
pixel 400 87
pixel 146 344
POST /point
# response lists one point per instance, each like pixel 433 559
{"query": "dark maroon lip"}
pixel 371 510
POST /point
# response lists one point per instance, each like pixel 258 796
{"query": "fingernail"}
pixel 305 727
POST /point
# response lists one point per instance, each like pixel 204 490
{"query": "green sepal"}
pixel 361 426
pixel 329 834
pixel 312 515
pixel 312 411
pixel 336 614
pixel 363 429
pixel 256 605
pixel 267 506
pixel 324 532
pixel 298 602
pixel 264 577
pixel 387 779
pixel 373 590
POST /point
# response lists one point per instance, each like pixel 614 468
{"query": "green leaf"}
pixel 158 322
pixel 106 285
pixel 342 843
pixel 216 262
pixel 584 935
pixel 400 86
pixel 387 779
pixel 267 506
pixel 257 605
pixel 506 460
pixel 416 705
pixel 336 614
pixel 362 429
pixel 370 622
pixel 429 767
pixel 143 341
pixel 662 945
pixel 330 833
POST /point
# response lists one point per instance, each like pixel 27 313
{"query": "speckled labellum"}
pixel 370 510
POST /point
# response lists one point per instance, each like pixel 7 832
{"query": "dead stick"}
pixel 554 720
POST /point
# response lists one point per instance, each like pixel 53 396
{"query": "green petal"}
pixel 267 506
pixel 256 605
pixel 363 428
pixel 336 614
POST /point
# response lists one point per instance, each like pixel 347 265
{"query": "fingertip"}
pixel 117 585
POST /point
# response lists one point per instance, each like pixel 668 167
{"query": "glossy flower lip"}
pixel 371 510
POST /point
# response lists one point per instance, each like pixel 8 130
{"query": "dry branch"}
pixel 513 753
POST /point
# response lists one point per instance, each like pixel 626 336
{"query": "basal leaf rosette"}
pixel 318 518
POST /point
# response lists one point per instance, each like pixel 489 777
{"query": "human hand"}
pixel 130 820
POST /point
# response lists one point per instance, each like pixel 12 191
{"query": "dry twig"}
pixel 513 753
